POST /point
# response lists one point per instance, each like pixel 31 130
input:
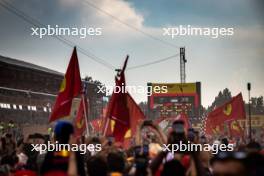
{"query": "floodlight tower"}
pixel 182 65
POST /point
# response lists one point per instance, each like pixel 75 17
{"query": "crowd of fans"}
pixel 144 156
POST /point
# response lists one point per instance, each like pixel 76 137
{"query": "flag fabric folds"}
pixel 123 113
pixel 70 87
pixel 135 114
pixel 224 119
pixel 95 125
pixel 80 121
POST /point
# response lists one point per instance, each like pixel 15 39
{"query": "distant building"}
pixel 28 92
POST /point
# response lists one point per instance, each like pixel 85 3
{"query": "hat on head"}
pixel 62 131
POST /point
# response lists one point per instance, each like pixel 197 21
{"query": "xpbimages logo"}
pixel 82 32
pixel 57 147
pixel 189 30
pixel 191 147
pixel 148 90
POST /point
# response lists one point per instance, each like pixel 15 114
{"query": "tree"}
pixel 95 96
pixel 222 97
pixel 257 105
pixel 253 101
pixel 227 94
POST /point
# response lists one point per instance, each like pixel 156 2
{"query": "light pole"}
pixel 249 110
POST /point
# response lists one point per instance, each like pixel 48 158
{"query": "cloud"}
pixel 109 13
pixel 121 10
pixel 254 33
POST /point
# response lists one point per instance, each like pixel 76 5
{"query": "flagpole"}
pixel 106 126
pixel 107 118
pixel 249 111
pixel 118 75
pixel 85 114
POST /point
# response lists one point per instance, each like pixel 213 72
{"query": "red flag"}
pixel 96 124
pixel 79 122
pixel 135 114
pixel 235 129
pixel 123 111
pixel 228 113
pixel 70 87
pixel 117 109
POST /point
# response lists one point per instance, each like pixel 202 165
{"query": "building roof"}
pixel 24 64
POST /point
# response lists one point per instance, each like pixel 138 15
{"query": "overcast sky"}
pixel 218 63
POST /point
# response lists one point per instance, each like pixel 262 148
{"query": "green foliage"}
pixel 222 97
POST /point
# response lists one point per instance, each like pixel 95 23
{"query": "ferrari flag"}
pixel 225 116
pixel 80 121
pixel 123 113
pixel 70 87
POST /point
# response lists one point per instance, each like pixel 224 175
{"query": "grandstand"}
pixel 28 92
